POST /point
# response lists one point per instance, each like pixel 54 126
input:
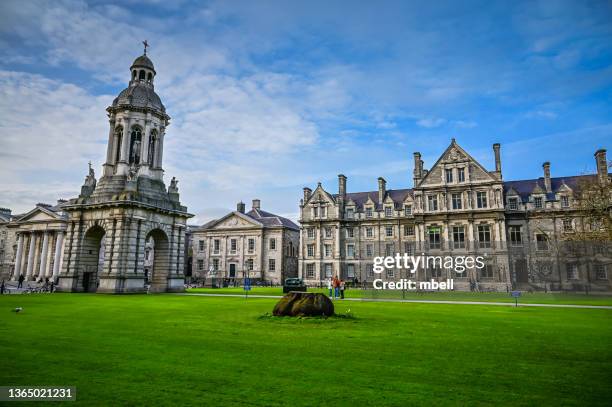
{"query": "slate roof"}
pixel 267 219
pixel 270 220
pixel 524 188
pixel 360 198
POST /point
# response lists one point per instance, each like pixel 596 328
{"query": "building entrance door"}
pixel 232 270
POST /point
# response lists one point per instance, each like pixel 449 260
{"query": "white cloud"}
pixel 430 122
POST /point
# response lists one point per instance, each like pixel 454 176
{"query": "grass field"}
pixel 527 298
pixel 164 349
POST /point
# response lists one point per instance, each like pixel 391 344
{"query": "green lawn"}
pixel 163 349
pixel 528 298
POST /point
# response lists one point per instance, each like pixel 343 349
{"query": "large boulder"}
pixel 296 304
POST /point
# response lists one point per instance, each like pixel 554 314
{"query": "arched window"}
pixel 118 140
pixel 152 147
pixel 135 145
pixel 142 75
pixel 149 77
pixel 134 74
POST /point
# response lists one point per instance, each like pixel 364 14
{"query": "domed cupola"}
pixel 140 93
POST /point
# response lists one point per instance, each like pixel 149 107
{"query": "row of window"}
pixel 328 271
pixel 249 264
pixel 234 245
pixel 538 202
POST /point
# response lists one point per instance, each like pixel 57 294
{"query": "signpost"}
pixel 516 295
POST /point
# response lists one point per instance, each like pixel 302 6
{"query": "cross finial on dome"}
pixel 146 45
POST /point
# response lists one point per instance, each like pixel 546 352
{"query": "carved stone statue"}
pixel 131 175
pixel 90 179
pixel 173 188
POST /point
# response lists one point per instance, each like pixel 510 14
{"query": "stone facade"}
pixel 256 244
pixel 457 208
pixel 113 220
pixel 8 245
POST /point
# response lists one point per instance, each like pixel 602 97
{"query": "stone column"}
pixel 30 267
pixel 18 262
pixel 160 148
pixel 125 142
pixel 43 256
pixel 57 260
pixel 144 152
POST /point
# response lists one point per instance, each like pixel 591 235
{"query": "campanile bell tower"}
pixel 129 207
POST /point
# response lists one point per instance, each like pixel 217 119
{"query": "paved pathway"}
pixel 508 304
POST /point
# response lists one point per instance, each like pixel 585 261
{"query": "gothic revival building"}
pixel 128 210
pixel 256 244
pixel 457 208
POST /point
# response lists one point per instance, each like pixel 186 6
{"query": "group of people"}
pixel 336 287
pixel 48 286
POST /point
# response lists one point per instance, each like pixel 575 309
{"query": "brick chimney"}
pixel 546 167
pixel 602 165
pixel 496 148
pixel 240 207
pixel 256 204
pixel 382 189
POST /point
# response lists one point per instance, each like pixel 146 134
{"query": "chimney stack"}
pixel 307 192
pixel 256 204
pixel 602 165
pixel 546 167
pixel 240 207
pixel 341 185
pixel 382 189
pixel 418 168
pixel 496 148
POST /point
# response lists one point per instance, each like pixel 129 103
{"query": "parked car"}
pixel 294 284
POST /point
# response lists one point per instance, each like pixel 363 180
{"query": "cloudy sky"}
pixel 268 97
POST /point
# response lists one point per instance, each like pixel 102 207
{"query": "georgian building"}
pixel 256 244
pixel 456 208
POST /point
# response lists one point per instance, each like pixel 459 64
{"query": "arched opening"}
pixel 157 268
pixel 152 144
pixel 149 77
pixel 141 75
pixel 92 259
pixel 134 74
pixel 135 145
pixel 118 141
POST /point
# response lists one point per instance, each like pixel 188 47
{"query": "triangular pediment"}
pixel 408 199
pixel 511 192
pixel 235 220
pixel 455 154
pixel 564 188
pixel 321 196
pixel 538 189
pixel 40 214
pixel 370 202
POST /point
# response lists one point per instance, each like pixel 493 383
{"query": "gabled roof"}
pixel 454 145
pixel 55 212
pixel 361 198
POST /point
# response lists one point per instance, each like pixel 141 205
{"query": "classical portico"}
pixel 40 242
pixel 115 217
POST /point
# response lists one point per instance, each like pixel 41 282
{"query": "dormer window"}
pixel 315 212
pixel 388 211
pixel 537 202
pixel 323 211
pixel 350 213
pixel 565 201
pixel 449 175
pixel 408 210
pixel 513 204
pixel 368 212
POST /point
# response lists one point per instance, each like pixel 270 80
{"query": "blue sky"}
pixel 269 97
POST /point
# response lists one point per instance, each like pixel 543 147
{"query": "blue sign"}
pixel 516 294
pixel 247 284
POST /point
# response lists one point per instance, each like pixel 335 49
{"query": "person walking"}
pixel 336 287
pixel 2 288
pixel 342 286
pixel 20 280
pixel 330 286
